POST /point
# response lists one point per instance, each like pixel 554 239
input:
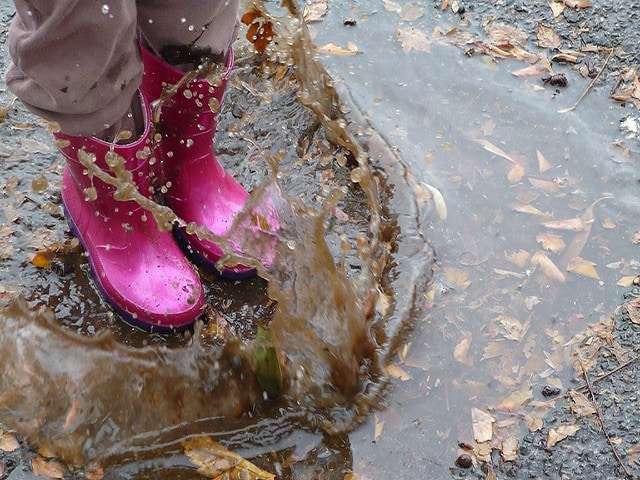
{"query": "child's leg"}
pixel 75 62
pixel 209 25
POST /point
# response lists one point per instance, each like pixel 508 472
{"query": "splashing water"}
pixel 93 399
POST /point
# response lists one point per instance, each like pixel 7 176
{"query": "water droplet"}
pixel 183 20
pixel 105 8
pixel 291 244
pixel 189 142
pixel 191 28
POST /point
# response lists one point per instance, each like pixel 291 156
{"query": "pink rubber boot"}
pixel 141 270
pixel 199 189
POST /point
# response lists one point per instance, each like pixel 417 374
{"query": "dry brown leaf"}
pixel 548 267
pixel 547 38
pixel 214 460
pixel 557 7
pixel 8 441
pixel 577 4
pixel 535 423
pixel 391 6
pixel 571 224
pixel 519 258
pixel 396 371
pixel 490 147
pixel 551 242
pixel 482 424
pixel 512 329
pixel 633 312
pixel 497 348
pixel 516 173
pixel 530 209
pixel 636 238
pixel 332 49
pixel 379 426
pixel 609 224
pixel 314 11
pixel 462 349
pixel 626 281
pixel 457 278
pixel 543 163
pixel 47 468
pixel 509 449
pixel 583 267
pixel 515 401
pixel 413 39
pixel 581 405
pixel 556 435
pixel 502 34
pixel 411 12
pixel 547 186
pixel 536 70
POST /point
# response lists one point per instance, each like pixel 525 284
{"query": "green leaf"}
pixel 266 364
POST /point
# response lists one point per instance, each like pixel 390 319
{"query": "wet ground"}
pixel 509 303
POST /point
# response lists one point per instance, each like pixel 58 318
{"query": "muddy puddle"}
pixel 506 190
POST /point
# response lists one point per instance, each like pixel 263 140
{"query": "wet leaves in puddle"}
pixel 556 435
pixel 215 461
pixel 44 467
pixel 260 31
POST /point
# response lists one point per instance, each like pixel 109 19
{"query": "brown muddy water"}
pixel 496 318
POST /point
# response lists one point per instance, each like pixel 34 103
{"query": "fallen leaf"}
pixel 632 311
pixel 626 281
pixel 581 405
pixel 577 4
pixel 332 49
pixel 556 435
pixel 457 278
pixel 548 267
pixel 379 426
pixel 462 349
pixel 636 238
pixel 411 12
pixel 516 173
pixel 413 39
pixel 583 267
pixel 535 423
pixel 519 258
pixel 8 442
pixel 314 11
pixel 396 371
pixel 213 460
pixel 551 242
pixel 547 186
pixel 515 401
pixel 608 224
pixel 547 38
pixel 530 209
pixel 571 224
pixel 503 34
pixel 557 8
pixel 543 163
pixel 260 31
pixel 391 6
pixel 482 424
pixel 509 449
pixel 490 147
pixel 47 468
pixel 536 70
pixel 438 200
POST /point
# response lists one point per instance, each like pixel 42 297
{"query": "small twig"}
pixel 590 86
pixel 604 429
pixel 608 374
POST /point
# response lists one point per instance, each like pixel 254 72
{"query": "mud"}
pixel 79 385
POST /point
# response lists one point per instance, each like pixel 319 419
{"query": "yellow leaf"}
pixel 583 267
pixel 556 435
pixel 548 267
pixel 482 424
pixel 42 259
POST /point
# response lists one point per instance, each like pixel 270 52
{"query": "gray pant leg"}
pixel 209 24
pixel 75 62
